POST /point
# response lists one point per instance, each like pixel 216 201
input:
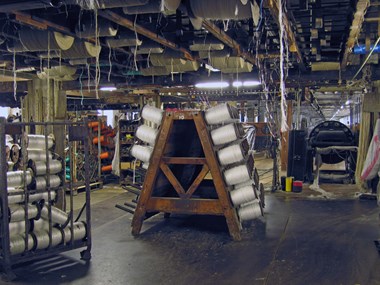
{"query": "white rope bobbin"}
pixel 57 215
pixel 79 230
pixel 142 153
pixel 17 244
pixel 243 195
pixel 250 211
pixel 147 134
pixel 230 154
pixel 237 174
pixel 16 178
pixel 152 114
pixel 223 135
pixel 219 114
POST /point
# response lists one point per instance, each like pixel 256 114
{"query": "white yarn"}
pixel 38 155
pixel 54 165
pixel 152 114
pixel 256 201
pixel 38 142
pixel 17 228
pixel 230 154
pixel 41 182
pixel 79 230
pixel 57 215
pixel 142 153
pixel 248 182
pixel 243 195
pixel 17 244
pixel 147 134
pixel 218 114
pixel 223 135
pixel 17 212
pixel 236 174
pixel 249 212
pixel 16 178
pixel 40 224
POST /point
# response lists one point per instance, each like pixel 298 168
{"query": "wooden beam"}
pixel 272 5
pixel 188 206
pixel 226 39
pixel 116 18
pixel 356 25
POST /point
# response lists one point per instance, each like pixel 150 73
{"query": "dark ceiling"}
pixel 179 43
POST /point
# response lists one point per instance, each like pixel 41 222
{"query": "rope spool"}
pixel 17 212
pixel 226 134
pixel 233 153
pixel 153 6
pixel 42 196
pixel 87 29
pixel 220 114
pixel 106 155
pixel 106 168
pixel 57 215
pixel 152 114
pixel 43 240
pixel 187 67
pixel 41 182
pixel 18 228
pixel 15 195
pixel 38 142
pixel 206 44
pixel 147 134
pixel 104 4
pixel 148 49
pixel 39 167
pixel 7 152
pixel 38 155
pixel 250 211
pixel 14 152
pixel 245 183
pixel 220 10
pixel 124 39
pixel 142 153
pixel 39 225
pixel 247 67
pixel 155 71
pixel 79 232
pixel 16 178
pixel 17 244
pixel 237 174
pixel 214 54
pixel 166 59
pixel 243 195
pixel 81 50
pixel 39 40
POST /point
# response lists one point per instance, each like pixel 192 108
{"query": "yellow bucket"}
pixel 289 184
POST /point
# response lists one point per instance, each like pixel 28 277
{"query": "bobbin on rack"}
pixel 33 224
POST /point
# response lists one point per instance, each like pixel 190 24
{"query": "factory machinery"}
pixel 197 163
pixel 36 221
pixel 330 142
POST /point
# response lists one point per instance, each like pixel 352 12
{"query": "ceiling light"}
pixel 108 88
pixel 251 83
pixel 219 84
pixel 341 107
pixel 237 84
pixel 348 102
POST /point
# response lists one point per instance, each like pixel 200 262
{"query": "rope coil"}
pixel 147 134
pixel 237 174
pixel 233 153
pixel 250 211
pixel 226 134
pixel 152 114
pixel 17 212
pixel 243 195
pixel 17 244
pixel 220 114
pixel 40 168
pixel 38 142
pixel 57 215
pixel 79 232
pixel 16 178
pixel 142 153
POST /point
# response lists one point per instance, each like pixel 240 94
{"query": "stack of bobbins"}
pixel 29 226
pixel 238 166
pixel 147 134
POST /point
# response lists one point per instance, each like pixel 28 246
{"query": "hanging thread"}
pixel 250 211
pixel 152 114
pixel 142 153
pixel 237 174
pixel 16 178
pixel 57 215
pixel 225 134
pixel 147 134
pixel 231 154
pixel 243 195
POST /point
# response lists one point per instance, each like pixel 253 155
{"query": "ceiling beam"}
pixel 272 5
pixel 226 39
pixel 116 18
pixel 356 25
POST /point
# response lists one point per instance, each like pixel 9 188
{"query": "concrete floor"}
pixel 299 241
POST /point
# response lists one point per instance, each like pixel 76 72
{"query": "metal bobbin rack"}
pixel 47 225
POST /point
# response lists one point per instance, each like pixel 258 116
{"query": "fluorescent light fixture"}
pixel 218 84
pixel 237 84
pixel 251 83
pixel 108 88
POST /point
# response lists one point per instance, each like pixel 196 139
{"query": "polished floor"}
pixel 299 241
